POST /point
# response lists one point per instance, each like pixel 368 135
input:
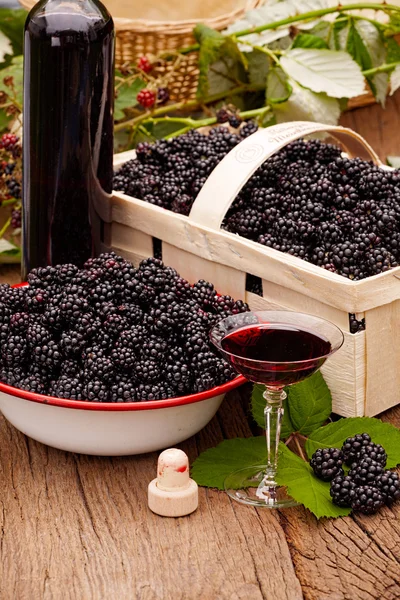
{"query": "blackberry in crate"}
pixel 204 293
pixel 366 471
pixel 327 463
pixel 375 452
pixel 352 446
pixel 389 485
pixel 342 490
pixel 367 500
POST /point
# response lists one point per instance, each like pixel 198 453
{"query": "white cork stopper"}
pixel 173 493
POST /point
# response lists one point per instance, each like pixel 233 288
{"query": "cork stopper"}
pixel 173 493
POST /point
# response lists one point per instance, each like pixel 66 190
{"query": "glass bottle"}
pixel 67 130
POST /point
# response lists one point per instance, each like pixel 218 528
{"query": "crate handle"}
pixel 236 168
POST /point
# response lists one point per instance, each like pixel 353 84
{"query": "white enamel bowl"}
pixel 111 429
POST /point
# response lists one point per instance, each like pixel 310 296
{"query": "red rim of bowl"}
pixel 117 406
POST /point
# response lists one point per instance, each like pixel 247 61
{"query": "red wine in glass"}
pixel 277 349
pixel 276 354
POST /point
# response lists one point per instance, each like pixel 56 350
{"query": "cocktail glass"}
pixel 277 349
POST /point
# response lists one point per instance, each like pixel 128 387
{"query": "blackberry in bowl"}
pixel 115 360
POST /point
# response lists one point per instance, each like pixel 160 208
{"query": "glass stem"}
pixel 273 414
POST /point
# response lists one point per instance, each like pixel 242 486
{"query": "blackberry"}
pixel 114 324
pixel 148 392
pixel 356 325
pixel 47 354
pixel 16 299
pixel 375 452
pixel 342 490
pixel 224 372
pixel 155 347
pixel 99 368
pixel 204 293
pixel 72 343
pixel 123 391
pixel 16 214
pixel 70 367
pixel 367 499
pixel 133 338
pixel 234 121
pixel 36 300
pixel 37 334
pixel 366 471
pixel 352 446
pixel 248 128
pixel 177 370
pixel 72 307
pixel 389 485
pixel 31 383
pixel 19 323
pixel 66 273
pixel 147 371
pixel 96 391
pixel 162 95
pixel 67 387
pixel 15 350
pixel 222 115
pixel 124 357
pixel 160 322
pixel 43 277
pixel 132 312
pixel 327 463
pixel 183 289
pixel 203 383
pixel 240 307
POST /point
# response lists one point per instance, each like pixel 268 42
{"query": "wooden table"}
pixel 78 527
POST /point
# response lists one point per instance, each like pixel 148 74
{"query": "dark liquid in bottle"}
pixel 279 354
pixel 68 129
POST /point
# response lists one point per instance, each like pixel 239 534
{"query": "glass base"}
pixel 248 486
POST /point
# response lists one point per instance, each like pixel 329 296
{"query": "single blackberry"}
pixel 132 312
pixel 16 299
pixel 103 292
pixel 70 367
pixel 47 354
pixel 96 391
pixel 222 115
pixel 16 214
pixel 66 273
pixel 182 288
pixel 37 334
pixel 223 304
pixel 234 121
pixel 224 372
pixel 133 338
pixel 31 383
pixel 72 307
pixel 352 446
pixel 101 368
pixel 240 307
pixel 147 371
pixel 72 343
pixel 194 338
pixel 356 325
pixel 19 323
pixel 87 325
pixel 114 324
pixel 15 350
pixel 366 471
pixel 367 499
pixel 342 490
pixel 67 387
pixel 248 128
pixel 389 485
pixel 202 383
pixel 124 357
pixel 177 370
pixel 36 300
pixel 374 451
pixel 204 293
pixel 43 277
pixel 123 391
pixel 159 322
pixel 162 95
pixel 148 392
pixel 327 463
pixel 155 347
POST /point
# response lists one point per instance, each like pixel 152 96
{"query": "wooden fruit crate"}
pixel 364 376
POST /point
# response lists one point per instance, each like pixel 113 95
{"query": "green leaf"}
pixel 334 73
pixel 257 410
pixel 12 24
pixel 9 253
pixel 213 46
pixel 393 161
pixel 392 51
pixel 357 49
pixel 127 97
pixel 308 40
pixel 395 80
pixel 310 404
pixel 4 120
pixel 257 66
pixel 14 70
pixel 212 466
pixel 303 486
pixel 278 87
pixel 224 74
pixel 304 105
pixel 334 434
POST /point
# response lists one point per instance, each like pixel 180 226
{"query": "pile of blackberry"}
pixel 112 333
pixel 307 200
pixel 367 486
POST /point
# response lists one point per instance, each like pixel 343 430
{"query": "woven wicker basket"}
pixel 161 25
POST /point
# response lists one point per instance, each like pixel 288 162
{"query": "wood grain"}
pixel 78 527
